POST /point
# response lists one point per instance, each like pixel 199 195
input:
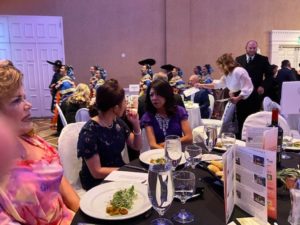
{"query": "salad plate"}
pixel 155 154
pixel 95 201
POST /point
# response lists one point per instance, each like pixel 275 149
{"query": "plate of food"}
pixel 219 145
pixel 291 144
pixel 156 156
pixel 116 201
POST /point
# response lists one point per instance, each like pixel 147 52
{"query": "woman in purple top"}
pixel 163 117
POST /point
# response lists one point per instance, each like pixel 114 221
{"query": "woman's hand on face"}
pixel 132 116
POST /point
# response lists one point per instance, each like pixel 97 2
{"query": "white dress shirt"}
pixel 237 80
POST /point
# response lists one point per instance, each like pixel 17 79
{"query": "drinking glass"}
pixel 184 184
pixel 173 150
pixel 228 139
pixel 211 137
pixel 160 190
pixel 193 155
pixel 288 141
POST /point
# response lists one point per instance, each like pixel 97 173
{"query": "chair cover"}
pixel 211 104
pixel 263 119
pixel 268 105
pixel 61 115
pixel 82 115
pixel 67 149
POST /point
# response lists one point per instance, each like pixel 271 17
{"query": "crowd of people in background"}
pixel 161 112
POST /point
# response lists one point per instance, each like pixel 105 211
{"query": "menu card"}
pixel 190 91
pixel 266 138
pixel 245 180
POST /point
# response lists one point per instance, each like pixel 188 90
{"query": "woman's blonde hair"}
pixel 81 94
pixel 227 63
pixel 11 79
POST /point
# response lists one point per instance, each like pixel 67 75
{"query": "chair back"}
pixel 67 149
pixel 262 119
pixel 82 115
pixel 61 115
pixel 268 105
pixel 211 104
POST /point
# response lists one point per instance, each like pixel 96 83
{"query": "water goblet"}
pixel 228 139
pixel 211 137
pixel 287 142
pixel 173 150
pixel 160 190
pixel 184 184
pixel 193 155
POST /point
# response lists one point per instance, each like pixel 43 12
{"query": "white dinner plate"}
pixel 292 147
pixel 95 201
pixel 146 156
pixel 238 142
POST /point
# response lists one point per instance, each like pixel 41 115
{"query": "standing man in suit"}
pixel 259 70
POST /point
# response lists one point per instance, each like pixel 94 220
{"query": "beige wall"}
pixel 182 32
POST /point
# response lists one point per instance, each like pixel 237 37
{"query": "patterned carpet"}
pixel 42 127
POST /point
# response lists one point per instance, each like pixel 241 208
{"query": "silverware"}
pixel 136 168
pixel 193 196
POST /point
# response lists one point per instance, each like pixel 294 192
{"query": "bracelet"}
pixel 137 133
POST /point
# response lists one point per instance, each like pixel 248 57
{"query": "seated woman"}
pixel 79 99
pixel 163 117
pixel 35 191
pixel 103 138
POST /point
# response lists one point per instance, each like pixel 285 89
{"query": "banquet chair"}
pixel 268 104
pixel 61 115
pixel 67 150
pixel 263 119
pixel 82 115
pixel 211 104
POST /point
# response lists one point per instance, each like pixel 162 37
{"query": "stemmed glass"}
pixel 173 150
pixel 193 154
pixel 228 139
pixel 211 137
pixel 288 141
pixel 184 183
pixel 160 190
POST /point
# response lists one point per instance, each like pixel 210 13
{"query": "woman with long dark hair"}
pixel 163 117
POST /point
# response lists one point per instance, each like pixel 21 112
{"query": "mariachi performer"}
pixel 147 74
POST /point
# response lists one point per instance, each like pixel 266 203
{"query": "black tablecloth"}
pixel 208 210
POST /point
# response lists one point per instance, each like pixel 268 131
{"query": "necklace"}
pixel 104 123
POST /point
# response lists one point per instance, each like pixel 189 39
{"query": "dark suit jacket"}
pixel 142 99
pixel 259 70
pixel 283 75
pixel 201 97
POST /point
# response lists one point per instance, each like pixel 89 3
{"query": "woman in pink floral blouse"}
pixel 35 190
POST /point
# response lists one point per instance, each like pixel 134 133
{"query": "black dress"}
pixel 108 143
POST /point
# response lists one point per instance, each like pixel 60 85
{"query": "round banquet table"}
pixel 208 210
pixel 194 113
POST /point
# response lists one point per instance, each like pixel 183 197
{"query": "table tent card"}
pixel 266 138
pixel 245 181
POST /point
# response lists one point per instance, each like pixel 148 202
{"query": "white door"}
pixel 4 39
pixel 32 41
pixel 290 53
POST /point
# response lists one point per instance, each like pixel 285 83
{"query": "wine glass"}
pixel 184 184
pixel 287 142
pixel 193 154
pixel 173 150
pixel 228 139
pixel 160 190
pixel 211 137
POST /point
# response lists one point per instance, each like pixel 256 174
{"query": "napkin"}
pixel 127 176
pixel 250 221
pixel 210 157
